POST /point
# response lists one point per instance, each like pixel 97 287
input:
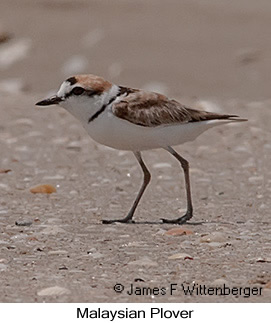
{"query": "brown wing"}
pixel 151 109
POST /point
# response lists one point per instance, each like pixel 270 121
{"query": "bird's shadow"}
pixel 157 223
pixel 187 223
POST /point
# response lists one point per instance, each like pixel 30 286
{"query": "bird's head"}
pixel 80 93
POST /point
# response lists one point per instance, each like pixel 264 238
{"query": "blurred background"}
pixel 183 48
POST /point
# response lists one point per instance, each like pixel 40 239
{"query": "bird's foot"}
pixel 118 220
pixel 183 219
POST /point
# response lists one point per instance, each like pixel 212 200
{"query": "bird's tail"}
pixel 234 118
pixel 216 116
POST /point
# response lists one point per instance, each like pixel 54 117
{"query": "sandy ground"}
pixel 203 52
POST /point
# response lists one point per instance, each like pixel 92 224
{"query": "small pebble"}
pixel 73 192
pixel 19 237
pixel 183 256
pixel 11 247
pixel 139 280
pixel 133 244
pixel 96 255
pixel 214 237
pixel 178 232
pixel 145 262
pixel 22 223
pixel 74 145
pixel 161 165
pixel 264 259
pixel 43 189
pixel 57 252
pixel 216 244
pixel 53 291
pixel 4 171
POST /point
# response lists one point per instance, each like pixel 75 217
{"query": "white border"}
pixel 203 312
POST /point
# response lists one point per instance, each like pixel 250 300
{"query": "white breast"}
pixel 123 135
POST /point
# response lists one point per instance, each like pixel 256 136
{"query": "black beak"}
pixel 52 100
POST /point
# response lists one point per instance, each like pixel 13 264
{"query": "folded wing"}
pixel 151 109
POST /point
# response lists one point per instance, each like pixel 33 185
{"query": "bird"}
pixel 135 120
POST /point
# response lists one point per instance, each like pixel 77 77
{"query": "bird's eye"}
pixel 78 90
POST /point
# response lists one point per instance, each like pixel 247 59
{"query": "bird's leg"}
pixel 146 180
pixel 189 212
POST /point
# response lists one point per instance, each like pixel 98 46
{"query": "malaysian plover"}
pixel 130 119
